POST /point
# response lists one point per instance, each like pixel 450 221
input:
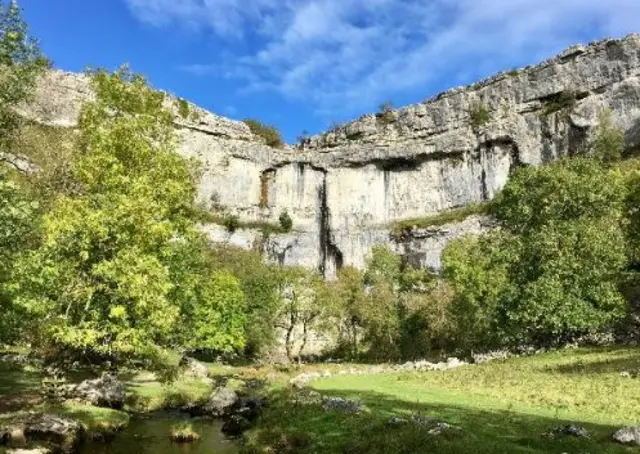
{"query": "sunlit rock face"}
pixel 345 188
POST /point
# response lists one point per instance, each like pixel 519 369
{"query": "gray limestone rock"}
pixel 628 436
pixel 106 391
pixel 220 402
pixel 345 188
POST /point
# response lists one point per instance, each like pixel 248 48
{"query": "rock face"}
pixel 344 189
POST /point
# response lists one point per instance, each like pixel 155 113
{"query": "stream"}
pixel 149 434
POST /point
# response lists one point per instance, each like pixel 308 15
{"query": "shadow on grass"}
pixel 19 387
pixel 301 426
pixel 626 360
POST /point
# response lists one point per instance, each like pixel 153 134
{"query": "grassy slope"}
pixel 501 407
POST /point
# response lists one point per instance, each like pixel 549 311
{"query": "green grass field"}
pixel 500 407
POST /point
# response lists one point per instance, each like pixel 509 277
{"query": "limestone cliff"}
pixel 345 188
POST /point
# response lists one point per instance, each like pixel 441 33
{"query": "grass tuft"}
pixel 183 433
pixel 402 228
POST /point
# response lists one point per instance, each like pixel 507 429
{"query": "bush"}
pixel 385 114
pixel 285 221
pixel 610 141
pixel 479 115
pixel 232 223
pixel 552 273
pixel 562 101
pixel 269 133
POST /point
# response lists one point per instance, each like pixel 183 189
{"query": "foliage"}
pixel 285 221
pixel 261 286
pixel 479 113
pixel 553 271
pixel 232 223
pixel 562 101
pixel 219 320
pixel 384 311
pixel 269 133
pixel 350 293
pixel 303 305
pixel 402 228
pixel 102 280
pixel 609 143
pixel 18 231
pixel 477 269
pixel 385 113
pixel 21 62
pixel 565 190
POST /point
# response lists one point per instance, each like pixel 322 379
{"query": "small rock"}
pixel 220 402
pixel 396 421
pixel 439 428
pixel 341 404
pixel 628 436
pixel 422 420
pixel 570 429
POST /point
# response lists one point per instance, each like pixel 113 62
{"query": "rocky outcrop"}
pixel 106 391
pixel 345 188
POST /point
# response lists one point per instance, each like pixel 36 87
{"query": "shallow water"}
pixel 149 434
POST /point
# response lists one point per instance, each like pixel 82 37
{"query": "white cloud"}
pixel 348 54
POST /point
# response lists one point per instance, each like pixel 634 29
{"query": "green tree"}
pixel 18 222
pixel 219 317
pixel 102 281
pixel 21 63
pixel 285 221
pixel 350 293
pixel 610 141
pixel 478 271
pixel 552 274
pixel 301 291
pixel 261 285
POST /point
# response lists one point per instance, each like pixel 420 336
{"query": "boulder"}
pixel 249 407
pixel 341 404
pixel 56 429
pixel 628 436
pixel 236 425
pixel 13 436
pixel 220 402
pixel 572 430
pixel 194 368
pixel 106 391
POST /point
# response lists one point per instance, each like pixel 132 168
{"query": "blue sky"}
pixel 303 64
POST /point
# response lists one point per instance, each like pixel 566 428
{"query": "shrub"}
pixel 285 221
pixel 479 115
pixel 610 141
pixel 183 108
pixel 385 113
pixel 564 100
pixel 551 274
pixel 269 133
pixel 183 433
pixel 232 223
